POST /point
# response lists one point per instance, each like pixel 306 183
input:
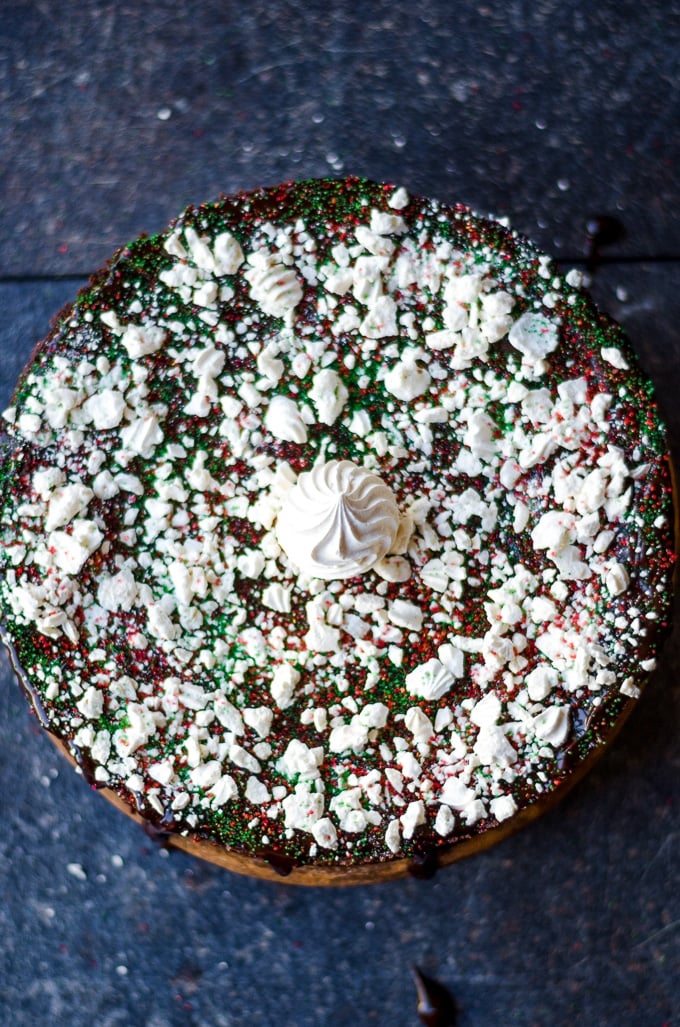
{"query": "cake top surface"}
pixel 336 524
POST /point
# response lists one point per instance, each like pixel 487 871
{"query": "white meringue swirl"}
pixel 338 520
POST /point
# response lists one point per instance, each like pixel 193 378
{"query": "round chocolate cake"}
pixel 336 531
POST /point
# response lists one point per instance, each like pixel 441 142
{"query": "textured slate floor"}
pixel 112 117
pixel 115 116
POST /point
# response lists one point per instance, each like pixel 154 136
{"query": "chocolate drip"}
pixel 436 1005
pixel 160 832
pixel 157 834
pixel 424 866
pixel 85 765
pixel 280 864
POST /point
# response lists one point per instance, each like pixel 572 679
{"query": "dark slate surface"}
pixel 549 112
pixel 116 115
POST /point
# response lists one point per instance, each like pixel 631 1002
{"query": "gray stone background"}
pixel 114 116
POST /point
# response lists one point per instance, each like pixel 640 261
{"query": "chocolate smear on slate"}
pixel 601 230
pixel 436 1005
